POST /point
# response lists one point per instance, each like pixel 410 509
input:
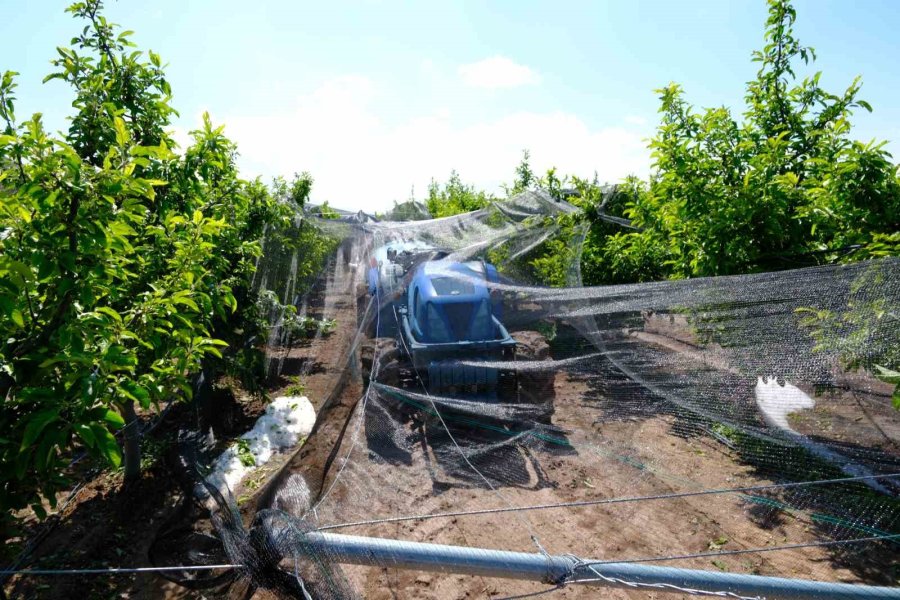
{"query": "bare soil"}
pixel 623 460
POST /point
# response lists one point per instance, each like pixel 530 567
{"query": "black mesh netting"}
pixel 665 422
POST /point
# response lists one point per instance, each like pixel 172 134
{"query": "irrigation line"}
pixel 560 570
pixel 621 500
pixel 125 570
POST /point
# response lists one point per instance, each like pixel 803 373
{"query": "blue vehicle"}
pixel 450 328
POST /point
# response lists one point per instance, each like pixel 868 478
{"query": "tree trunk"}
pixel 132 432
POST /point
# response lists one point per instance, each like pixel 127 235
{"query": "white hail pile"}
pixel 777 401
pixel 287 420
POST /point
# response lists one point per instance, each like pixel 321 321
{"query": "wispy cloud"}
pixel 497 72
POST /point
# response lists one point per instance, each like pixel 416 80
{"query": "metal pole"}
pixel 357 550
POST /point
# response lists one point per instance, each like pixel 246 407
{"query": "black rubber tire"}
pixel 535 386
pixel 387 354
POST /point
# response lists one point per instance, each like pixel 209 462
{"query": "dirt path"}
pixel 605 466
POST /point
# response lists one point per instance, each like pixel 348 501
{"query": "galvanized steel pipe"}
pixel 352 549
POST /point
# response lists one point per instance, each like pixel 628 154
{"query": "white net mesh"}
pixel 729 424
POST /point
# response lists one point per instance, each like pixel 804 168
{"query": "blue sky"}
pixel 375 97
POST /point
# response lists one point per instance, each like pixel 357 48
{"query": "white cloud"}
pixel 497 72
pixel 636 120
pixel 181 137
pixel 360 162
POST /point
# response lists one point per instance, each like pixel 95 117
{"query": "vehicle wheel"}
pixel 385 416
pixel 384 351
pixel 535 385
pixel 508 386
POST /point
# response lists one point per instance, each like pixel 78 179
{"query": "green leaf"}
pixel 51 441
pixel 52 361
pixel 136 393
pixel 231 301
pixel 18 319
pixel 36 425
pixel 107 445
pixel 186 302
pixel 22 461
pixel 86 434
pixel 122 136
pixel 39 511
pixel 887 375
pixel 110 312
pixel 20 269
pixel 114 419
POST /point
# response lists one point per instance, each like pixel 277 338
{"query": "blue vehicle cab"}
pixel 452 315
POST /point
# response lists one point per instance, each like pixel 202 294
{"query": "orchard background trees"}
pixel 737 195
pixel 454 197
pixel 784 185
pixel 782 182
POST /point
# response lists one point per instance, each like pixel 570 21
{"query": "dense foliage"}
pixel 524 178
pixel 454 197
pixel 411 210
pixel 786 186
pixel 123 264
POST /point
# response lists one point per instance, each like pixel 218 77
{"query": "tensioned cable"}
pixel 666 587
pixel 875 538
pixel 116 571
pixel 621 500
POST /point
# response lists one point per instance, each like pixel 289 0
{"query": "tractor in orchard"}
pixel 436 328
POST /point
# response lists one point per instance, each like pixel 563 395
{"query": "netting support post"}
pixel 379 552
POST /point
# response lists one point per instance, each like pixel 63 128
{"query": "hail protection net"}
pixel 727 424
